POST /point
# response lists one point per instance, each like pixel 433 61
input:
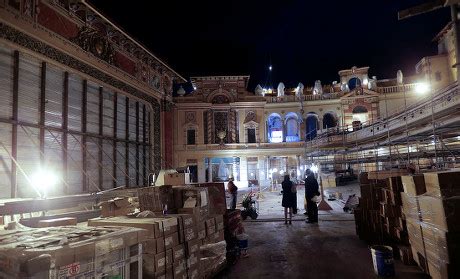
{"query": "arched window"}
pixel 292 127
pixel 275 128
pixel 353 83
pixel 311 125
pixel 329 120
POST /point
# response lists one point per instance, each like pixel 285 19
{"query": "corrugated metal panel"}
pixel 107 162
pixel 29 89
pixel 92 153
pixel 92 122
pixel 146 127
pixel 75 165
pixel 75 102
pixel 140 172
pixel 6 81
pixel 107 120
pixel 53 96
pixel 132 165
pixel 28 159
pixel 132 120
pixel 121 161
pixel 5 161
pixel 121 117
pixel 141 122
pixel 53 160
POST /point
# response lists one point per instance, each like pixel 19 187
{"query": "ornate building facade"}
pixel 80 97
pixel 223 130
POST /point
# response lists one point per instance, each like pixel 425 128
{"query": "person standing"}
pixel 311 190
pixel 233 191
pixel 288 198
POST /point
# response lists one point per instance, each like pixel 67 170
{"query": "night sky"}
pixel 304 40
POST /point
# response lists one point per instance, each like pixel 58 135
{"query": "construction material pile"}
pixel 432 209
pixel 64 252
pixel 417 215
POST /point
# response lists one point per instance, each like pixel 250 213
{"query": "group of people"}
pixel 289 201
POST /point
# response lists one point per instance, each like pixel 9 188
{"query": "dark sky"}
pixel 304 40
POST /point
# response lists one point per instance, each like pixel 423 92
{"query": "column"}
pixel 299 171
pixel 209 169
pixel 262 175
pixel 243 168
pixel 201 170
pixel 235 168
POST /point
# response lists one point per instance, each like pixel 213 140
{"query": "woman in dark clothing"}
pixel 288 198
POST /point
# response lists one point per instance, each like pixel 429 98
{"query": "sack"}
pixel 315 199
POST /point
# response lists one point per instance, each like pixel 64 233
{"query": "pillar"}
pixel 235 168
pixel 201 171
pixel 299 173
pixel 243 168
pixel 209 169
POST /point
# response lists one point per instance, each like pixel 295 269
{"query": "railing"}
pixel 408 88
pixel 239 146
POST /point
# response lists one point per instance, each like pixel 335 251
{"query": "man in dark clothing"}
pixel 233 191
pixel 311 190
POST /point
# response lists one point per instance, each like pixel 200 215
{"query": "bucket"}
pixel 382 257
pixel 243 241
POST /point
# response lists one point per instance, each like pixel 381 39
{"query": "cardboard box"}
pixel 157 227
pixel 194 272
pixel 441 213
pixel 441 245
pixel 58 222
pixel 188 234
pixel 35 252
pixel 411 206
pixel 414 185
pixel 178 252
pixel 192 246
pixel 177 179
pixel 210 224
pixel 442 184
pixel 167 274
pixel 154 246
pixel 195 211
pixel 171 240
pixel 193 260
pixel 115 207
pixel 414 231
pixel 217 199
pixel 156 199
pixel 179 267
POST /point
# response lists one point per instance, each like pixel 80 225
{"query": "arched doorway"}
pixel 329 120
pixel 360 116
pixel 353 83
pixel 292 127
pixel 312 125
pixel 275 128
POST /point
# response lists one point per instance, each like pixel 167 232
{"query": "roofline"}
pixel 209 77
pixel 443 31
pixel 93 9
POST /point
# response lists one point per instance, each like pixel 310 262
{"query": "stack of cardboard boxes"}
pixel 369 223
pixel 64 252
pixel 433 221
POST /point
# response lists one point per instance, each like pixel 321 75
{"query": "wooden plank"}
pixel 14 138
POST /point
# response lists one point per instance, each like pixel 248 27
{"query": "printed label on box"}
pixel 69 270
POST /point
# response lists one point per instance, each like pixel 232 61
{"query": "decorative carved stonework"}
pixel 220 99
pixel 90 40
pixel 250 116
pixel 190 117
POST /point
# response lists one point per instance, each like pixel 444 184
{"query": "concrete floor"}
pixel 329 249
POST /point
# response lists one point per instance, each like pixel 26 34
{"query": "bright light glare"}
pixel 281 171
pixel 314 168
pixel 365 81
pixel 270 67
pixel 422 88
pixel 275 170
pixel 43 180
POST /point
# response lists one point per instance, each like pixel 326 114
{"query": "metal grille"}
pixel 6 81
pixel 53 96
